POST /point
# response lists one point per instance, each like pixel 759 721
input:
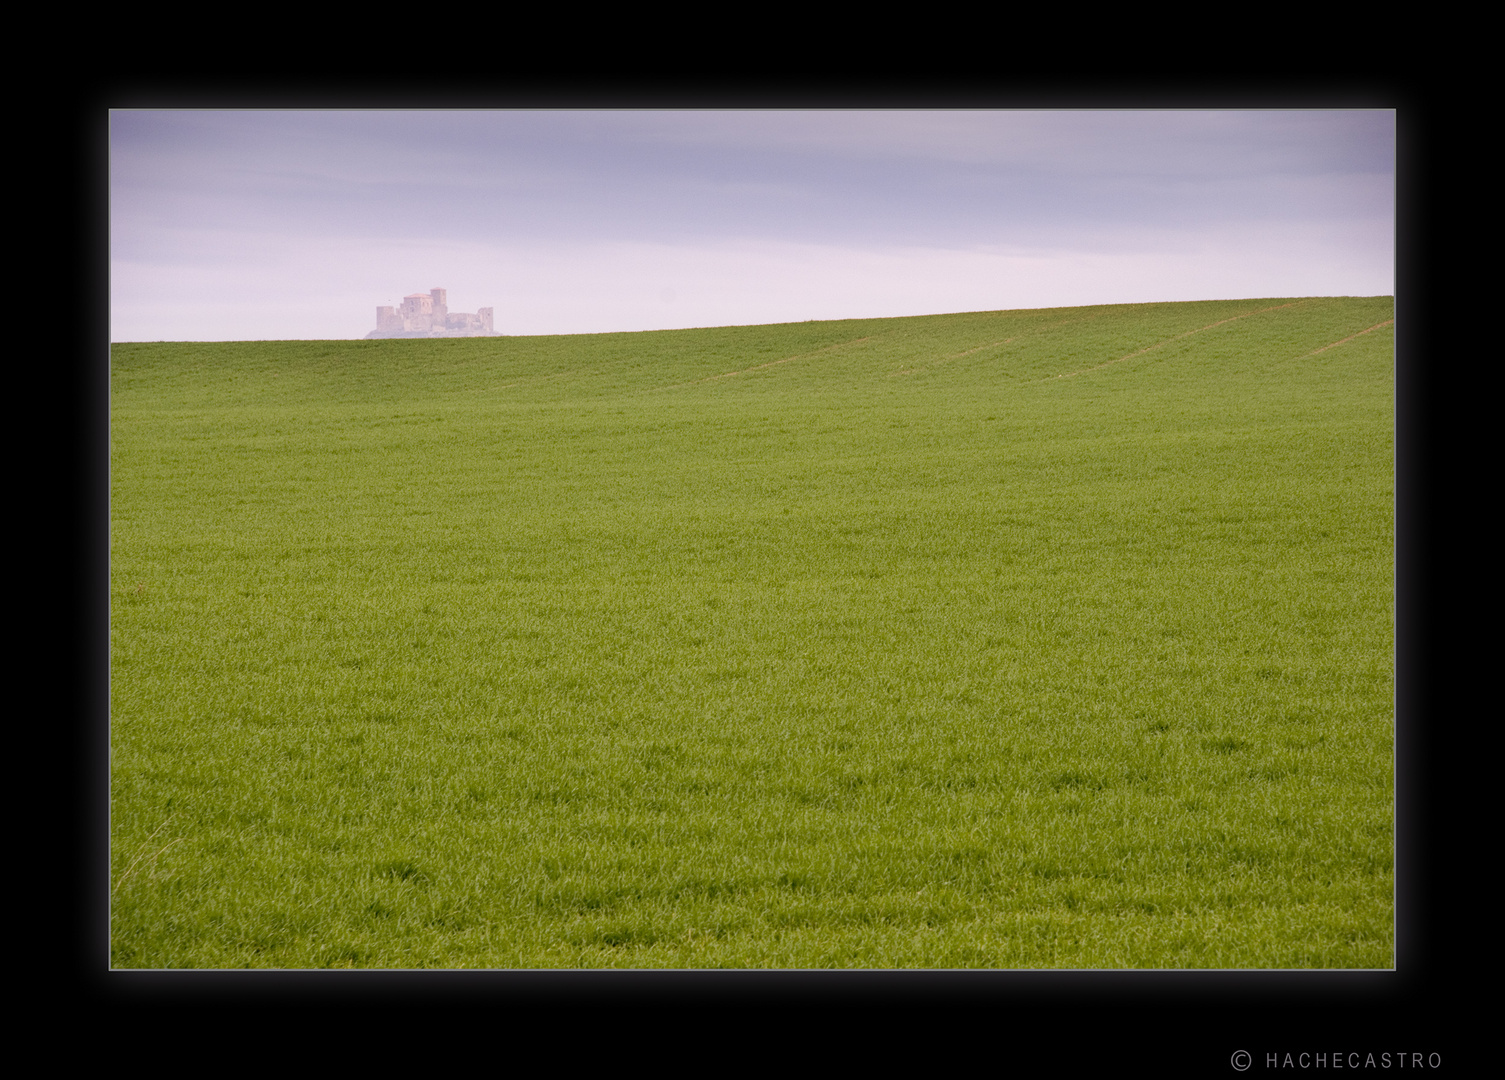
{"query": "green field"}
pixel 1053 638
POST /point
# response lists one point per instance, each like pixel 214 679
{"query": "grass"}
pixel 1053 638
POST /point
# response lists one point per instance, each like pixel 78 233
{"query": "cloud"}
pixel 297 224
pixel 322 289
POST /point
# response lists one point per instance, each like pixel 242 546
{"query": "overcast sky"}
pixel 294 224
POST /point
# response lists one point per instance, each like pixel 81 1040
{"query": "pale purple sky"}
pixel 298 224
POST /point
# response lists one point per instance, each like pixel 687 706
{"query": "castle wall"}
pixel 429 316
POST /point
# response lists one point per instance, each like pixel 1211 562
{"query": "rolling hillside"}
pixel 1047 638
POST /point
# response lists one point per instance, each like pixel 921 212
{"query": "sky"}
pixel 282 225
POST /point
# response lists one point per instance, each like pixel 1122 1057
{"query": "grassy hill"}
pixel 1051 638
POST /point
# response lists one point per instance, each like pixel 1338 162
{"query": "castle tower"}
pixel 417 312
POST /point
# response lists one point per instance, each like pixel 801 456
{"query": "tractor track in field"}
pixel 1031 331
pixel 761 367
pixel 1350 337
pixel 952 356
pixel 987 345
pixel 1167 341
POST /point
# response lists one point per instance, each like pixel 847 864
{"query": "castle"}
pixel 429 316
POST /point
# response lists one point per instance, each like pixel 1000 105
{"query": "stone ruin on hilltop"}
pixel 429 316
